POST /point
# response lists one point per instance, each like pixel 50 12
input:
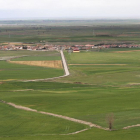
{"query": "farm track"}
pixel 56 115
pixel 127 127
pixel 11 57
pixel 66 118
pixel 73 133
pixel 62 117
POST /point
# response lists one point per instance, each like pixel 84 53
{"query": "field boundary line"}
pixel 97 64
pixel 56 115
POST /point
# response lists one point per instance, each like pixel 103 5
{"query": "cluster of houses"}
pixel 71 48
pixel 29 47
pixel 121 46
pixel 77 48
pixel 45 47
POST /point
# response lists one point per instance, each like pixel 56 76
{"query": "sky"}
pixel 70 9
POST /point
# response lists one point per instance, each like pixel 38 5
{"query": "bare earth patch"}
pixel 24 90
pixel 99 64
pixel 133 84
pixel 51 64
pixel 137 125
pixel 9 80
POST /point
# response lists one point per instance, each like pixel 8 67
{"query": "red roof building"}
pixel 76 50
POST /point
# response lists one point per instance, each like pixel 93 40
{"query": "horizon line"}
pixel 51 18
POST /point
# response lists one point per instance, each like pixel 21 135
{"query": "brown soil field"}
pixel 51 64
pixel 99 64
pixel 9 80
pixel 126 51
pixel 29 44
pixel 13 43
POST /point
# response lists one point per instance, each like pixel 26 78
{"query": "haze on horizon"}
pixel 69 9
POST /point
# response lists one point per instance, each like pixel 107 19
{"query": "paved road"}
pixel 64 63
pixel 11 57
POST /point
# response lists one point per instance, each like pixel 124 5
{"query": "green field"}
pixel 23 123
pixel 71 32
pixel 10 71
pixel 90 93
pixel 105 57
pixel 28 53
pixel 89 103
pixel 91 134
pixel 104 74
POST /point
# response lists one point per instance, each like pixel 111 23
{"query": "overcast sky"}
pixel 95 9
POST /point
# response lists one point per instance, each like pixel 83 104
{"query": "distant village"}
pixel 71 48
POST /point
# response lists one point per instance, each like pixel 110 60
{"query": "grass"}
pixel 85 102
pixel 30 53
pixel 10 71
pixel 104 74
pixel 90 93
pixel 103 58
pixel 16 122
pixel 91 134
